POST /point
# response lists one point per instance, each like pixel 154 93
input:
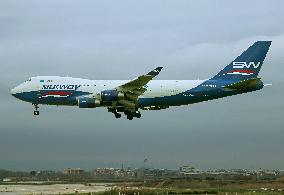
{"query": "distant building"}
pixel 153 173
pixel 46 172
pixel 7 179
pixel 114 172
pixel 73 171
pixel 189 170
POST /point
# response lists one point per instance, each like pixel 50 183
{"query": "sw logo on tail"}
pixel 245 64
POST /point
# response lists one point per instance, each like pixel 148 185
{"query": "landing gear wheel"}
pixel 138 114
pixel 36 112
pixel 129 117
pixel 117 115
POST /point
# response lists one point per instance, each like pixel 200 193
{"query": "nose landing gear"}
pixel 36 112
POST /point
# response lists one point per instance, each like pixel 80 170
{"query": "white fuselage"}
pixel 155 88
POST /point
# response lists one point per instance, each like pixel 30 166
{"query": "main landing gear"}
pixel 114 111
pixel 36 112
pixel 130 114
pixel 117 115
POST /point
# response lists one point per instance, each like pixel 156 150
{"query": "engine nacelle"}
pixel 86 102
pixel 111 95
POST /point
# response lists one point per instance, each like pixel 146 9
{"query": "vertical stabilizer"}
pixel 247 65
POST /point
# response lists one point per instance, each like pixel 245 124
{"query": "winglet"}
pixel 155 72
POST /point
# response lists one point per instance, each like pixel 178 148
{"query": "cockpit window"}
pixel 29 80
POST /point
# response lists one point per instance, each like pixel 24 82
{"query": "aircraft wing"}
pixel 136 87
pixel 139 82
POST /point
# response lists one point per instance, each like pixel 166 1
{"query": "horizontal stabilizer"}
pixel 245 84
pixel 268 84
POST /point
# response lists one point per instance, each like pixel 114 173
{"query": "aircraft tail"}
pixel 247 65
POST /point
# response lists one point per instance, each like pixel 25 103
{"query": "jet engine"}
pixel 111 95
pixel 87 102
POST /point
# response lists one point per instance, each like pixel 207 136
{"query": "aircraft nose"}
pixel 12 91
pixel 15 91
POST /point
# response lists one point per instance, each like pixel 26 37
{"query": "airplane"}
pixel 144 93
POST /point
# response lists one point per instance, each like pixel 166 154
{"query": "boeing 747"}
pixel 144 93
